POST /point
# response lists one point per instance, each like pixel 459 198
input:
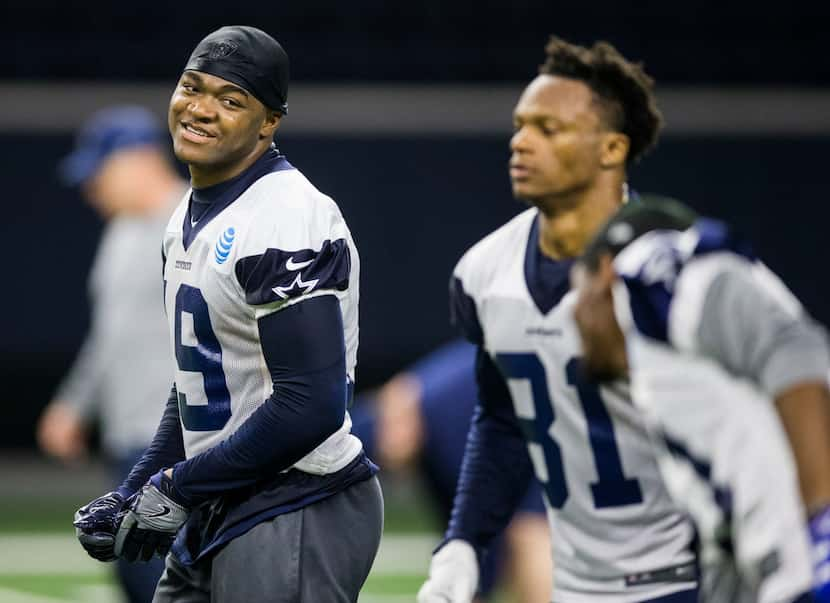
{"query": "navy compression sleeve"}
pixel 304 349
pixel 496 470
pixel 166 448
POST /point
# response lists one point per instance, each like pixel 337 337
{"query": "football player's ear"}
pixel 270 124
pixel 614 149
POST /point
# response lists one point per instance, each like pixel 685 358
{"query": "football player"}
pixel 617 535
pixel 253 466
pixel 709 337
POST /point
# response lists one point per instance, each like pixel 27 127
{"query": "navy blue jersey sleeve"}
pixel 304 349
pixel 463 314
pixel 496 470
pixel 277 275
pixel 166 449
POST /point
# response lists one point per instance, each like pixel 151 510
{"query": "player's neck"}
pixel 202 176
pixel 568 224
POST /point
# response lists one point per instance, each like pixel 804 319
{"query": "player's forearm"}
pixel 166 449
pixel 496 469
pixel 305 352
pixel 494 476
pixel 805 413
pixel 297 418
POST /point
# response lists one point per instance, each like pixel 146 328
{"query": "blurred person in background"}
pixel 726 365
pixel 417 419
pixel 121 165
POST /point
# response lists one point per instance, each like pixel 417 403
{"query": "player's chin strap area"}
pixel 685 572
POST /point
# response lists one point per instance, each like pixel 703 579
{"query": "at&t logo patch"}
pixel 224 244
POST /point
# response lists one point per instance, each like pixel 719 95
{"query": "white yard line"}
pixel 45 554
pixel 370 598
pixel 8 595
pixel 109 594
pixel 405 553
pixel 60 554
pixel 98 593
pixel 82 594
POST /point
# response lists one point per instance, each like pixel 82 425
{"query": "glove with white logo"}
pixel 151 522
pixel 96 524
pixel 453 575
pixel 820 538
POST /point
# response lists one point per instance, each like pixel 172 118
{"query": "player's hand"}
pixel 61 432
pixel 453 575
pixel 151 522
pixel 96 524
pixel 820 537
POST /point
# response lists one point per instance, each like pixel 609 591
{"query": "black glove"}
pixel 96 524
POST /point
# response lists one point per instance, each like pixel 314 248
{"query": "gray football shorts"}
pixel 322 552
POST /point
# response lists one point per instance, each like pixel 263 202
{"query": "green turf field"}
pixel 48 568
pixel 41 562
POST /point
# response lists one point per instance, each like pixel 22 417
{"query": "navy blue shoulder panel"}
pixel 715 235
pixel 650 307
pixel 278 274
pixel 219 196
pixel 463 314
pixel 651 289
pixel 547 280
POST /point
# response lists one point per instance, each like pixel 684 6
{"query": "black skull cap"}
pixel 247 57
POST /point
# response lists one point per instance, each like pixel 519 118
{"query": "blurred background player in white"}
pixel 414 421
pixel 122 168
pixel 714 344
pixel 617 535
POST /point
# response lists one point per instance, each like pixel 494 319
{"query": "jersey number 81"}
pixel 612 489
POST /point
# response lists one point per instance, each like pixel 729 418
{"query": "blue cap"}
pixel 107 131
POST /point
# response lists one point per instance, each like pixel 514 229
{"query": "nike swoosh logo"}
pixel 165 510
pixel 292 266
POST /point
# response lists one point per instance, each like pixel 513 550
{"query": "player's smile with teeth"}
pixel 190 128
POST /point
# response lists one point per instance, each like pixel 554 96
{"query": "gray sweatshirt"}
pixel 124 369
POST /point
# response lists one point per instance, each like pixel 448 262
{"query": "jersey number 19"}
pixel 205 358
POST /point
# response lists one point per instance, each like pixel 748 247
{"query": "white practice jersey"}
pixel 280 242
pixel 612 520
pixel 724 452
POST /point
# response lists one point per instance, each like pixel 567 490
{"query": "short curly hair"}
pixel 624 91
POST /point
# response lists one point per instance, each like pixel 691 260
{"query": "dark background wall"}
pixel 414 206
pixel 414 201
pixel 445 40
